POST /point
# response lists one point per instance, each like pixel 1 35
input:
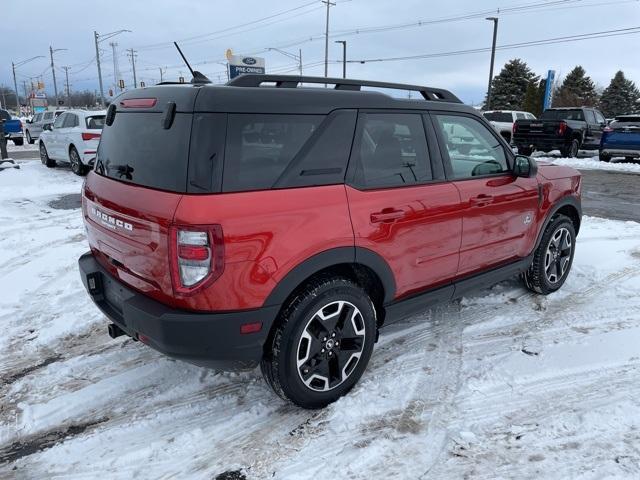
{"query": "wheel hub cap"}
pixel 558 255
pixel 330 346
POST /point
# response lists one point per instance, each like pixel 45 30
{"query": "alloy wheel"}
pixel 330 346
pixel 558 255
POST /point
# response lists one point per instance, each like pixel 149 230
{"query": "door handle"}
pixel 387 215
pixel 481 200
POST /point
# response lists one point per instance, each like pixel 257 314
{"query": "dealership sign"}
pixel 241 64
pixel 548 90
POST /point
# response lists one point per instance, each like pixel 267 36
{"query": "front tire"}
pixel 603 157
pixel 553 258
pixel 44 157
pixel 321 343
pixel 76 164
pixel 30 140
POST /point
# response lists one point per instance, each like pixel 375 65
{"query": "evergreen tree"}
pixel 508 88
pixel 620 97
pixel 530 97
pixel 577 90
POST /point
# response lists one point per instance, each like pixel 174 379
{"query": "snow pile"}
pixel 503 384
pixel 593 163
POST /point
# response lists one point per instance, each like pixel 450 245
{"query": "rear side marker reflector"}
pixel 138 103
pixel 250 328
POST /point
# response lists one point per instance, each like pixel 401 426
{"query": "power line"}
pixel 547 41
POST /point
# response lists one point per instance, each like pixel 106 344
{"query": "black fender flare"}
pixel 329 258
pixel 563 202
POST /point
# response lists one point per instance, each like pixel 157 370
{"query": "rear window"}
pixel 563 115
pixel 4 115
pixel 95 123
pixel 624 122
pixel 504 117
pixel 137 149
pixel 259 148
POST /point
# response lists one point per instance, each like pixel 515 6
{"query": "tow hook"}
pixel 115 331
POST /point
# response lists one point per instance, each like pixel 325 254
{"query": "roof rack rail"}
pixel 292 81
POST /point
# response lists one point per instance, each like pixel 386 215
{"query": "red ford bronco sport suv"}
pixel 262 222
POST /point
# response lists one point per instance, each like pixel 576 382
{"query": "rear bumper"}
pixel 205 339
pixel 545 144
pixel 620 152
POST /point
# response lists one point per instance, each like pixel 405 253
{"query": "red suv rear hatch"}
pixel 129 200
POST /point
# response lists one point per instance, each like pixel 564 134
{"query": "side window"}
pixel 48 115
pixel 599 118
pixel 520 116
pixel 36 118
pixel 259 148
pixel 591 118
pixel 530 116
pixel 60 120
pixel 70 121
pixel 472 149
pixel 390 150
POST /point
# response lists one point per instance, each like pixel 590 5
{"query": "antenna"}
pixel 197 76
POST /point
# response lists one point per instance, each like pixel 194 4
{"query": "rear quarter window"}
pixel 259 147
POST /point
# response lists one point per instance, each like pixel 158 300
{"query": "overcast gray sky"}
pixel 207 28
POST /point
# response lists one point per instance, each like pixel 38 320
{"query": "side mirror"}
pixel 525 167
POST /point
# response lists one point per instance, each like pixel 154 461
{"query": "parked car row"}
pixel 36 125
pixel 72 138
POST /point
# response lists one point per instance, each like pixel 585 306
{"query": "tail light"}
pixel 562 128
pixel 514 129
pixel 89 136
pixel 607 129
pixel 197 256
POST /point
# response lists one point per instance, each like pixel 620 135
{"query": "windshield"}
pixel 505 117
pixel 95 123
pixel 576 114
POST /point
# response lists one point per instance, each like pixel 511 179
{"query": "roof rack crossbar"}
pixel 292 81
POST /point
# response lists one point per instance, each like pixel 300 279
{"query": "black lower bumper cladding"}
pixel 206 339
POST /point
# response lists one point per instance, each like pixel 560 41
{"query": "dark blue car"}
pixel 621 138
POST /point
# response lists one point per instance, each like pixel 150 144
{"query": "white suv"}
pixel 503 120
pixel 73 138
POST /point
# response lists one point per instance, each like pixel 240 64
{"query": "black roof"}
pixel 290 94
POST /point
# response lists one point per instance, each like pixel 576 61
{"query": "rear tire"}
pixel 572 149
pixel 321 343
pixel 553 258
pixel 44 157
pixel 526 151
pixel 76 164
pixel 604 157
pixel 18 141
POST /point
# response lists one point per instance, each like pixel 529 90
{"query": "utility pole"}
pixel 161 80
pixel 300 59
pixel 53 70
pixel 96 37
pixel 344 57
pixel 99 38
pixel 15 86
pixel 66 72
pixel 132 54
pixel 4 100
pixel 326 39
pixel 116 70
pixel 493 56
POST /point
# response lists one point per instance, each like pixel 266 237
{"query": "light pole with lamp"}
pixel 297 58
pixel 493 56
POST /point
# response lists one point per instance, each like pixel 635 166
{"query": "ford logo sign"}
pixel 249 61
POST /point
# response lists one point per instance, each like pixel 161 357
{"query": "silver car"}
pixel 34 127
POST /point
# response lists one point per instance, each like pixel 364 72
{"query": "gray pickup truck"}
pixel 566 129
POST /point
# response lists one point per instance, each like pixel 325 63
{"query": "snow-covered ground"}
pixel 503 384
pixel 25 147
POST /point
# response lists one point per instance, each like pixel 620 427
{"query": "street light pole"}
pixel 344 57
pixel 53 70
pixel 293 56
pixel 493 56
